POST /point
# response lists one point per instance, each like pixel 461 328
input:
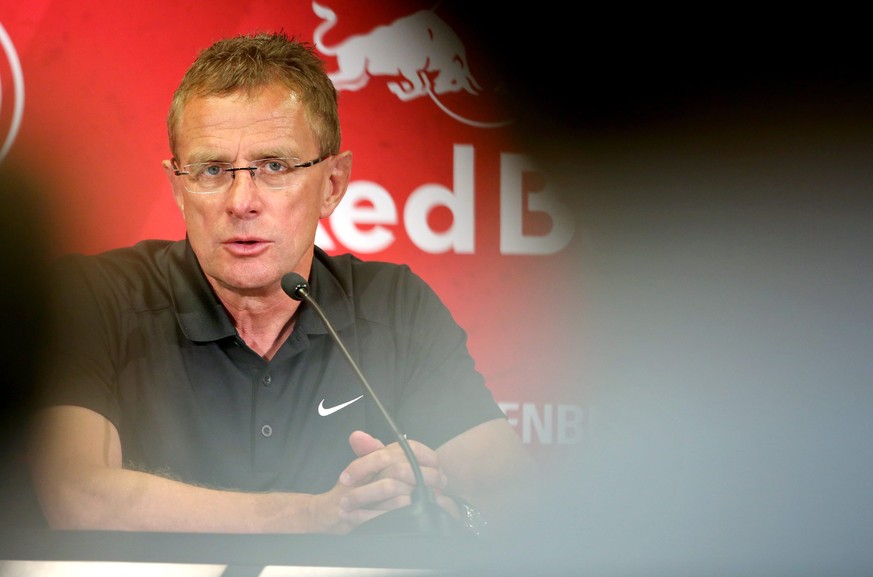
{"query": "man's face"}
pixel 247 238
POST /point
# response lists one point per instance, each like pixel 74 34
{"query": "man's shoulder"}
pixel 374 288
pixel 143 253
pixel 354 264
pixel 145 268
pixel 355 274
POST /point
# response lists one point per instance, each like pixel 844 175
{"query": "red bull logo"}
pixel 420 55
pixel 11 94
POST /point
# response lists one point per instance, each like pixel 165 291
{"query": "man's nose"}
pixel 243 198
pixel 234 170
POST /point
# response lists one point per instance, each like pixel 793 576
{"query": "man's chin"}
pixel 247 281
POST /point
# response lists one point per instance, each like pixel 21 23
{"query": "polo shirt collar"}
pixel 326 288
pixel 200 314
pixel 202 317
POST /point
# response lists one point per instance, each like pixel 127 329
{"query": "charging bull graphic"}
pixel 415 50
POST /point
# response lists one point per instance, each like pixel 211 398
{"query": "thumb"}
pixel 363 443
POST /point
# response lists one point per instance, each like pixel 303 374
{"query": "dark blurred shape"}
pixel 613 67
pixel 720 173
pixel 24 241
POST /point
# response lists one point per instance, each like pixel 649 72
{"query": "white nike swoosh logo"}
pixel 331 410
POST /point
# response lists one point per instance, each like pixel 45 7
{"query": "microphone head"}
pixel 295 286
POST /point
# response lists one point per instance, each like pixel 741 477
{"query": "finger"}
pixel 391 483
pixel 359 516
pixel 369 495
pixel 375 460
pixel 388 504
pixel 432 477
pixel 384 464
pixel 358 471
pixel 369 466
pixel 364 469
pixel 363 443
pixel 425 456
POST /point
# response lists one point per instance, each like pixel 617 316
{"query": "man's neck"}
pixel 263 322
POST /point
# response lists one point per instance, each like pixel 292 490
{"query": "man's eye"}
pixel 275 166
pixel 212 170
pixel 204 170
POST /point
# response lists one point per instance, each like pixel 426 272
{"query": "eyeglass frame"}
pixel 234 169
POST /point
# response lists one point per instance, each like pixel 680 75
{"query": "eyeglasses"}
pixel 215 177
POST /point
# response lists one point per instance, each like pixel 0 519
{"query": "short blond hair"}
pixel 245 63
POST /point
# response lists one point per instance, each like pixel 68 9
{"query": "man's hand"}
pixel 381 478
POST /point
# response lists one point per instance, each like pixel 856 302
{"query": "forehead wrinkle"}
pixel 214 132
pixel 263 138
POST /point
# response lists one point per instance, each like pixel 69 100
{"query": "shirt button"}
pixel 267 380
pixel 267 431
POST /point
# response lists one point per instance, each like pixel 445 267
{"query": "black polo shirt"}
pixel 143 340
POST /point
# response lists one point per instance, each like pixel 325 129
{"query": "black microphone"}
pixel 423 515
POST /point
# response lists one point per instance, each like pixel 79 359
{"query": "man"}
pixel 191 393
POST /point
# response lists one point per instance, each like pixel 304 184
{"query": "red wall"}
pixel 441 179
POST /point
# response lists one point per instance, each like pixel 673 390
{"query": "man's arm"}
pixel 489 467
pixel 76 461
pixel 486 466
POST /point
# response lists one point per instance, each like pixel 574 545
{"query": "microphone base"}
pixel 422 517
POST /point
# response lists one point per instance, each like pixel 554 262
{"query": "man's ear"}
pixel 176 185
pixel 337 182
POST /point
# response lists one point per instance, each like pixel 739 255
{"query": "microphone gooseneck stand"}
pixel 423 515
